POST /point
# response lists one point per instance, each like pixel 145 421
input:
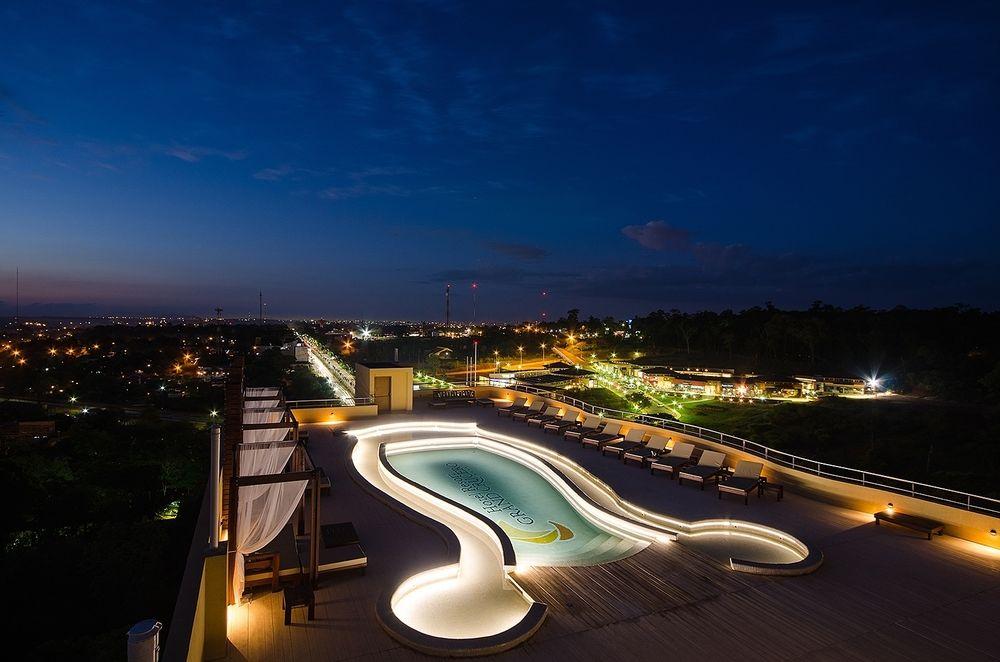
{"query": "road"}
pixel 330 368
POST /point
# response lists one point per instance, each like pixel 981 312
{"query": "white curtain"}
pixel 256 417
pixel 267 417
pixel 263 509
pixel 260 404
pixel 264 459
pixel 260 392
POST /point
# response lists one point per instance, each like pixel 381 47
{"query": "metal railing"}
pixel 329 402
pixel 935 493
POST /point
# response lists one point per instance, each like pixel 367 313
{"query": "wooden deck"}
pixel 882 594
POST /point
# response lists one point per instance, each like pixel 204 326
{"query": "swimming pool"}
pixel 544 529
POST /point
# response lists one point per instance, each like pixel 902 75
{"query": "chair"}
pixel 514 406
pixel 678 457
pixel 567 421
pixel 610 433
pixel 550 414
pixel 589 424
pixel 709 466
pixel 745 479
pixel 530 410
pixel 643 454
pixel 633 439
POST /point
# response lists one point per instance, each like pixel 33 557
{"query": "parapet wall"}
pixel 960 523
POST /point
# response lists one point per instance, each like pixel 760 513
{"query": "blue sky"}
pixel 350 159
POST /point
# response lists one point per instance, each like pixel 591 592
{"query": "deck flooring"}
pixel 882 594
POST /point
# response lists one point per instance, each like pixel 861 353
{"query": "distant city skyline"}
pixel 352 159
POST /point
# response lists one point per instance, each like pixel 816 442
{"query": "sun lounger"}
pixel 709 466
pixel 590 424
pixel 678 458
pixel 610 434
pixel 633 439
pixel 550 414
pixel 745 479
pixel 530 410
pixel 514 406
pixel 567 421
pixel 653 448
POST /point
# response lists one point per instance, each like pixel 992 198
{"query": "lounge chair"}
pixel 611 433
pixel 678 458
pixel 745 479
pixel 567 421
pixel 633 439
pixel 656 445
pixel 590 424
pixel 532 409
pixel 550 414
pixel 514 406
pixel 709 466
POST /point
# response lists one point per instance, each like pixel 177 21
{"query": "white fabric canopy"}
pixel 265 417
pixel 256 417
pixel 263 509
pixel 260 404
pixel 260 392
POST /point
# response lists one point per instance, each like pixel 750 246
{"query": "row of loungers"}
pixel 656 452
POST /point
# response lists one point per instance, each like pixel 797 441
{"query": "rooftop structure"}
pixel 656 565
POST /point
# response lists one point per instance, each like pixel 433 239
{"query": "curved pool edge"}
pixel 536 612
pixel 811 559
pixel 467 647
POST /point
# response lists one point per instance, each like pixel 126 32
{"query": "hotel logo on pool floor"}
pixel 476 485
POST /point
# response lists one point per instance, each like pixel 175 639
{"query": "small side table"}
pixel 764 487
pixel 298 596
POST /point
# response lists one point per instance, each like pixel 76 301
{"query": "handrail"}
pixel 925 491
pixel 328 402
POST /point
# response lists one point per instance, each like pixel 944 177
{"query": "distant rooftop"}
pixel 384 364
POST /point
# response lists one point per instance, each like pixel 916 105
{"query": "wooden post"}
pixel 232 436
pixel 314 534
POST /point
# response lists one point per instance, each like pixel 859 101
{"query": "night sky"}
pixel 351 159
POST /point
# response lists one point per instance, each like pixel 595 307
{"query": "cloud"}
pixel 274 174
pixel 658 236
pixel 519 251
pixel 195 153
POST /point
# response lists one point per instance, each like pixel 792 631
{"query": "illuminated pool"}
pixel 543 527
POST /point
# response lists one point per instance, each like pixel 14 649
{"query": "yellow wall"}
pixel 401 390
pixel 333 414
pixel 958 522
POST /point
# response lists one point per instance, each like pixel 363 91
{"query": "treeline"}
pixel 951 352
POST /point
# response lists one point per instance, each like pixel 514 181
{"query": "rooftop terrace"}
pixel 882 593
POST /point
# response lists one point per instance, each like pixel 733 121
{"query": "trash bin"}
pixel 144 641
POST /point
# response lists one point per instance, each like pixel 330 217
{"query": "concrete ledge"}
pixel 807 565
pixel 442 647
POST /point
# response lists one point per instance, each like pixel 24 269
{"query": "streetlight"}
pixel 496 357
pixel 543 351
pixel 520 362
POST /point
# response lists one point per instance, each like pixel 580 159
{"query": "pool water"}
pixel 544 528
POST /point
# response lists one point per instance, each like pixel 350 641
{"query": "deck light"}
pixel 993 532
pixel 890 508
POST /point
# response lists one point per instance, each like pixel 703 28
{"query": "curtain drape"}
pixel 263 509
pixel 260 404
pixel 260 392
pixel 257 416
